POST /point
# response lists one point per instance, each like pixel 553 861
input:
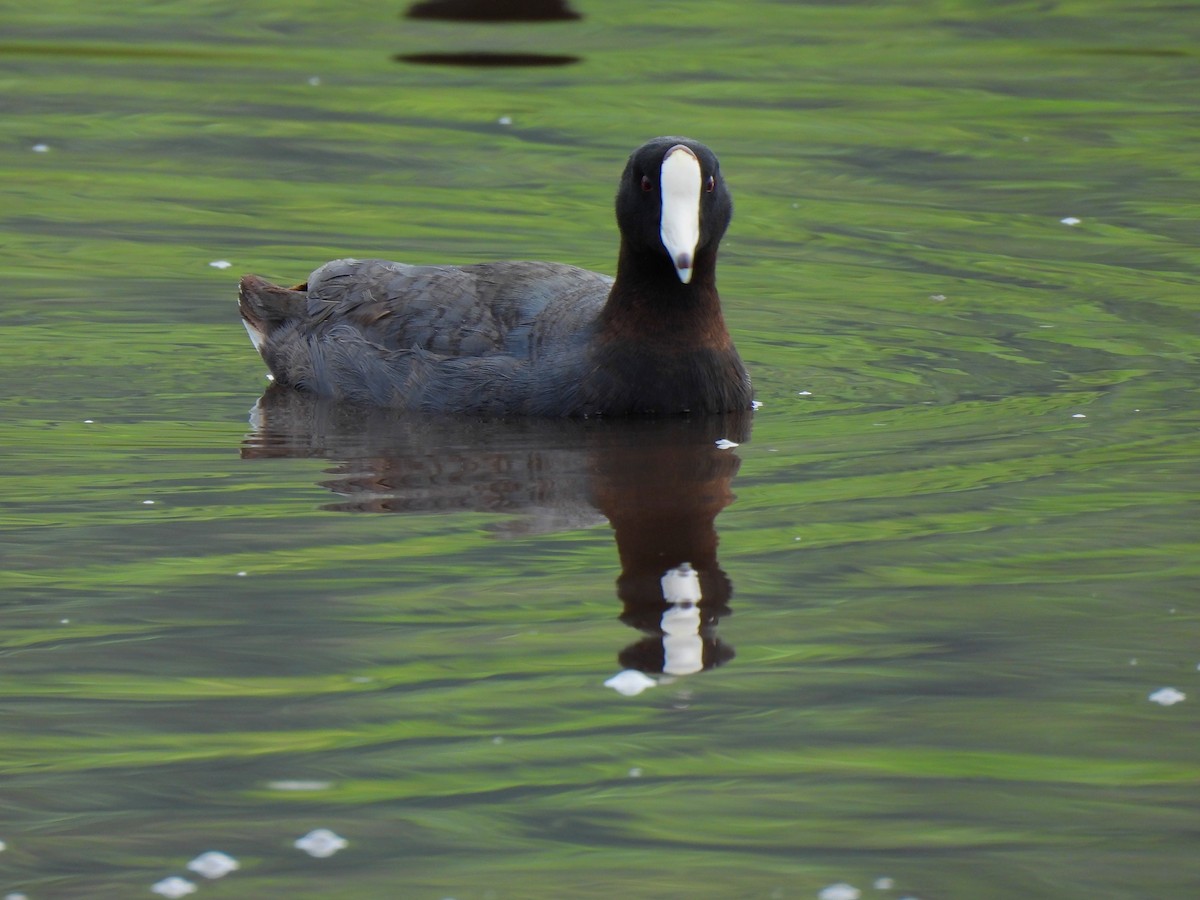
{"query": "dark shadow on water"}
pixel 485 59
pixel 494 10
pixel 660 483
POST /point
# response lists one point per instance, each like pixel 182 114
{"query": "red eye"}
pixel 710 184
pixel 646 185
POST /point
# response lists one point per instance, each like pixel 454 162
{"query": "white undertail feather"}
pixel 257 338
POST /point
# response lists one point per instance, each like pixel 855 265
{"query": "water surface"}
pixel 952 557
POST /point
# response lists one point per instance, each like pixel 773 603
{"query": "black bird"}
pixel 528 338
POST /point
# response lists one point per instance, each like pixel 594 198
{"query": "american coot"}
pixel 528 338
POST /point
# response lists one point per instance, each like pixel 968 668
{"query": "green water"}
pixel 950 573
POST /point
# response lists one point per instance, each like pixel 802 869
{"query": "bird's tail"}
pixel 265 306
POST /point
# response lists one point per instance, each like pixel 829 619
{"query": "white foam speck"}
pixel 16 897
pixel 241 574
pixel 173 887
pixel 1071 220
pixel 504 120
pixel 726 444
pixel 89 421
pixel 1079 416
pixel 3 846
pixel 314 81
pixel 804 393
pixel 321 843
pixel 299 785
pixel 1167 696
pixel 40 148
pixel 937 298
pixel 884 884
pixel 220 264
pixel 839 891
pixel 213 864
pixel 630 682
pixel 64 621
pixel 147 503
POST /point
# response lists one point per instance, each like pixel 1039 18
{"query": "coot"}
pixel 528 338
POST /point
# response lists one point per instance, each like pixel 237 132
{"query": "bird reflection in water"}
pixel 660 483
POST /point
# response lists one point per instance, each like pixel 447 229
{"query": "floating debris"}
pixel 839 891
pixel 173 887
pixel 1167 696
pixel 1079 416
pixel 220 264
pixel 321 843
pixel 726 444
pixel 299 785
pixel 1070 220
pixel 630 682
pixel 803 393
pixel 756 404
pixel 213 864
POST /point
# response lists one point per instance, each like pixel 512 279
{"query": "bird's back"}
pixel 428 336
pixel 509 308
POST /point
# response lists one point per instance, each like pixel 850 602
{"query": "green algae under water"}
pixel 963 549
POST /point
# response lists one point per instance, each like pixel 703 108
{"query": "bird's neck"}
pixel 649 304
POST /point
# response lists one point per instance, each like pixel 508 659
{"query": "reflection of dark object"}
pixel 528 338
pixel 484 59
pixel 660 483
pixel 494 10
